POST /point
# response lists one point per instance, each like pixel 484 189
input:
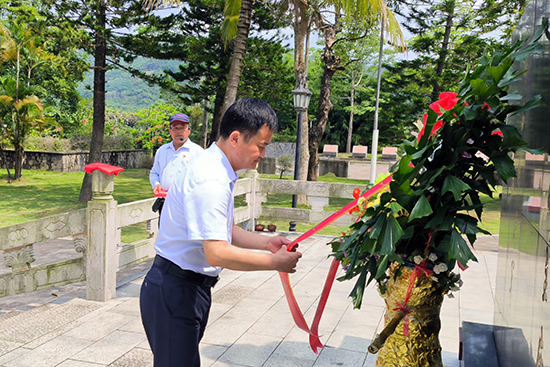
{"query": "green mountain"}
pixel 128 93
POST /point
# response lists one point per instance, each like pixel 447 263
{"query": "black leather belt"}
pixel 190 276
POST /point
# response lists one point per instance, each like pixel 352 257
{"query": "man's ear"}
pixel 234 138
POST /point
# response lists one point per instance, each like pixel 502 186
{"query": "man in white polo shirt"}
pixel 171 157
pixel 197 237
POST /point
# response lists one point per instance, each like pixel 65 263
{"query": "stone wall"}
pixel 279 149
pixel 74 162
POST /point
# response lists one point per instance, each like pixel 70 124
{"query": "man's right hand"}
pixel 285 261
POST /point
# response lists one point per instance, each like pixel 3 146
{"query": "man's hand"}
pixel 157 189
pixel 275 243
pixel 285 261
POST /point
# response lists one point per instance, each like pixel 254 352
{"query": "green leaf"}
pixel 504 166
pixel 483 90
pixel 421 209
pixel 466 224
pixel 395 207
pixel 382 267
pixel 454 185
pixel 532 103
pixel 497 72
pixel 376 229
pixel 392 233
pixel 359 289
pixel 477 203
pixel 403 188
pixel 460 249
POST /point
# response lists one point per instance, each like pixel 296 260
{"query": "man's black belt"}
pixel 189 275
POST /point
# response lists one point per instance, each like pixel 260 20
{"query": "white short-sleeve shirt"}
pixel 169 162
pixel 199 206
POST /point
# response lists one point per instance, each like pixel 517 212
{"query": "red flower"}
pixel 497 132
pixel 447 100
pixel 354 209
pixel 356 193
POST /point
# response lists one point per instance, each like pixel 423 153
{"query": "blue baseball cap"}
pixel 180 117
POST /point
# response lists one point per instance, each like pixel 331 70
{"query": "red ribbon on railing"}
pixel 297 315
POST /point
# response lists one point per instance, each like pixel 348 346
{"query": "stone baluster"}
pixel 251 199
pixel 317 204
pixel 101 259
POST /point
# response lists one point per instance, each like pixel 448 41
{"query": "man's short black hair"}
pixel 248 115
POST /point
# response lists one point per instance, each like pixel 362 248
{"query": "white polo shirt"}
pixel 168 158
pixel 199 206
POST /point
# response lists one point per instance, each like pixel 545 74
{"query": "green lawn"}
pixel 40 194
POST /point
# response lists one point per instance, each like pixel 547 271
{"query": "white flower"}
pixel 434 278
pixel 432 257
pixel 469 141
pixel 440 268
pixel 418 259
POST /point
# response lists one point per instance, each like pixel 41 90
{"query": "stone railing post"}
pixel 317 204
pixel 101 263
pixel 253 175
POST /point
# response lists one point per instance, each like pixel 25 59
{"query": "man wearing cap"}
pixel 172 157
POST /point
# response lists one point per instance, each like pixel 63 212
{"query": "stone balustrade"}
pixel 94 234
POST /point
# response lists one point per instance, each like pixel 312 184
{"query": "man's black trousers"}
pixel 174 312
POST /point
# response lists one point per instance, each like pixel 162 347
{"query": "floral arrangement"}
pixel 429 216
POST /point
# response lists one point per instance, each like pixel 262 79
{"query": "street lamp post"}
pixel 302 95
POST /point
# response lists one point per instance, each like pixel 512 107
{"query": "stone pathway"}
pixel 250 324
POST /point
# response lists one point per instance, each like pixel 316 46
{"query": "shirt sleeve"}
pixel 154 174
pixel 207 207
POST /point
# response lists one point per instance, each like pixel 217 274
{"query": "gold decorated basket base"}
pixel 421 348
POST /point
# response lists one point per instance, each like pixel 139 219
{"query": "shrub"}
pixel 47 144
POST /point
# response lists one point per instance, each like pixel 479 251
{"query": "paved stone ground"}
pixel 250 324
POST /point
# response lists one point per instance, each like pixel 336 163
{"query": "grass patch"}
pixel 39 194
pixel 133 233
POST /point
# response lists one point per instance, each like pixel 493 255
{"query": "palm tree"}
pixel 20 108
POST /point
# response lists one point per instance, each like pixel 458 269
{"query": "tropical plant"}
pixel 20 108
pixel 432 207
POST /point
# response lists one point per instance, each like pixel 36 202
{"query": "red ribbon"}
pixel 297 314
pixel 161 194
pixel 418 270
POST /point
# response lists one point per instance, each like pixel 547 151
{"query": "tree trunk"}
pixel 217 117
pixel 98 131
pixel 239 52
pixel 332 64
pixel 18 163
pixel 6 164
pixel 18 141
pixel 444 49
pixel 350 125
pixel 204 130
pixel 301 49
